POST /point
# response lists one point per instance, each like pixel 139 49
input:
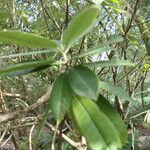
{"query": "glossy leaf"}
pixel 26 39
pixel 94 125
pixel 114 90
pixel 25 68
pixel 110 63
pixel 114 117
pixel 80 25
pixel 61 97
pixel 83 82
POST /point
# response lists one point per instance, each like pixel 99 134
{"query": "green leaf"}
pixel 114 117
pixel 115 39
pixel 104 47
pixel 110 63
pixel 26 40
pixel 28 53
pixel 97 50
pixel 80 25
pixel 61 97
pixel 114 89
pixel 117 10
pixel 83 82
pixel 134 41
pixel 94 125
pixel 25 68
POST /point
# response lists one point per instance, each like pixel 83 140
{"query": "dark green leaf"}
pixel 26 39
pixel 80 25
pixel 114 117
pixel 83 82
pixel 25 68
pixel 28 53
pixel 94 125
pixel 61 97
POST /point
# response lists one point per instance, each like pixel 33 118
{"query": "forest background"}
pixel 104 56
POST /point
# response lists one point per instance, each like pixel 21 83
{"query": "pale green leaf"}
pixel 104 47
pixel 98 50
pixel 80 25
pixel 114 90
pixel 83 82
pixel 61 97
pixel 99 131
pixel 115 39
pixel 117 10
pixel 110 63
pixel 26 40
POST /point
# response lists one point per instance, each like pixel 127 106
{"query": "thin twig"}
pixel 54 21
pixel 142 88
pixel 67 13
pixel 43 10
pixel 18 126
pixel 137 115
pixel 3 135
pixel 133 16
pixel 30 137
pixel 76 145
pixel 133 136
pixel 6 141
pixel 54 136
pixel 14 95
pixel 18 113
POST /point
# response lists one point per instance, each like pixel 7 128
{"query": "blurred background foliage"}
pixel 49 19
